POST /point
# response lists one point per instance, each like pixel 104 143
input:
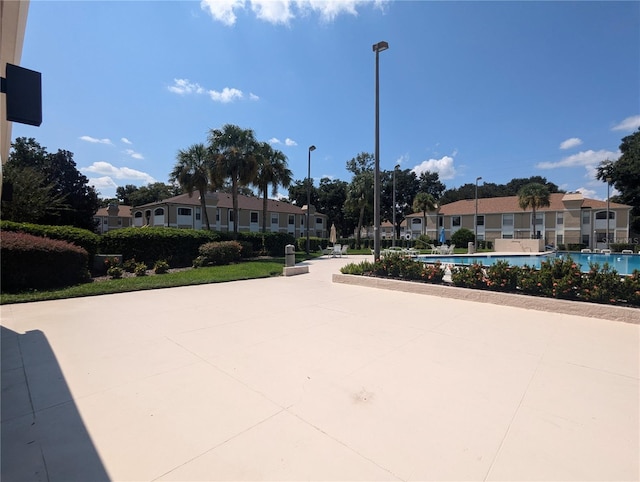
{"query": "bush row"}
pixel 35 262
pixel 80 237
pixel 218 253
pixel 558 278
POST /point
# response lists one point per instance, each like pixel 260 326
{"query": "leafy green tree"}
pixel 534 196
pixel 272 171
pixel 360 191
pixel 625 176
pixel 193 171
pixel 26 196
pixel 298 193
pixel 233 151
pixel 131 195
pixel 429 182
pixel 73 200
pixel 332 195
pixel 423 203
pixel 407 186
pixel 462 237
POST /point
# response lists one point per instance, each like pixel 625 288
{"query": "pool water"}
pixel 622 263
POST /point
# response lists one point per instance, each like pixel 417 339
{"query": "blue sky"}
pixel 492 89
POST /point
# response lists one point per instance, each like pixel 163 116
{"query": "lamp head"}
pixel 479 178
pixel 312 148
pixel 380 46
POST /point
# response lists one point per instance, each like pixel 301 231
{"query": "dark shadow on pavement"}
pixel 43 436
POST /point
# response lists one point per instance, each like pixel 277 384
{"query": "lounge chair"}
pixel 337 250
pixel 627 251
pixel 433 248
pixel 585 250
pixel 343 251
pixel 605 251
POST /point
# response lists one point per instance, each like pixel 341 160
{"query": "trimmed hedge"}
pixel 218 253
pixel 80 237
pixel 179 247
pixel 33 262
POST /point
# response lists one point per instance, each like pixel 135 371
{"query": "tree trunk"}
pixel 203 205
pixel 264 210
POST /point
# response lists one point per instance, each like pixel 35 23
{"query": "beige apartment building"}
pixel 570 218
pixel 185 211
pixel 115 216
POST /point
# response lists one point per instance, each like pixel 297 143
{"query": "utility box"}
pixel 289 255
pixel 471 249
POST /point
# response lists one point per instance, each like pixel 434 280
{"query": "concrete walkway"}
pixel 299 378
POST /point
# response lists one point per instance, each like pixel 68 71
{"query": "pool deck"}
pixel 301 378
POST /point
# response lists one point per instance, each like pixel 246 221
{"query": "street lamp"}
pixel 608 187
pixel 475 219
pixel 394 204
pixel 311 148
pixel 377 48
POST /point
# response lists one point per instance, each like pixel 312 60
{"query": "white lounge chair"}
pixel 433 248
pixel 337 250
pixel 585 250
pixel 343 251
pixel 627 251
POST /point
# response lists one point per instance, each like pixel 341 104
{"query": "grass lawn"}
pixel 262 268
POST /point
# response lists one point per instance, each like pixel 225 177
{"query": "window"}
pixel 559 239
pixel 217 215
pixel 539 218
pixel 586 217
pixel 254 217
pixel 455 221
pixel 507 219
pixel 440 221
pixel 559 220
pixel 292 219
pixel 585 239
pixel 104 221
pixel 275 218
pixel 480 220
pixel 138 214
pixel 507 236
pixel 318 220
pixel 158 212
pixel 302 220
pixel 416 221
pixel 603 215
pixel 231 216
pixel 184 211
pixel 197 214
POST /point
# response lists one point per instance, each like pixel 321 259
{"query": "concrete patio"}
pixel 299 378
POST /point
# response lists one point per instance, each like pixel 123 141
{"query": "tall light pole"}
pixel 475 219
pixel 377 48
pixel 394 204
pixel 311 148
pixel 608 187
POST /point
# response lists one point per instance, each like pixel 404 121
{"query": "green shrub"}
pixel 501 276
pixel 630 290
pixel 560 278
pixel 362 268
pixel 423 242
pixel 219 253
pixel 129 265
pixel 462 237
pixel 33 262
pixel 80 237
pixel 115 272
pixel 315 244
pixel 618 247
pixel 177 246
pixel 140 269
pixel 432 273
pixel 161 267
pixel 601 285
pixel 471 276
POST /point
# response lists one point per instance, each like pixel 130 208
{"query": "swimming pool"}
pixel 622 263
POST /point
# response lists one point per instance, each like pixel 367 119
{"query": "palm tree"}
pixel 233 150
pixel 193 173
pixel 360 197
pixel 533 195
pixel 424 202
pixel 272 169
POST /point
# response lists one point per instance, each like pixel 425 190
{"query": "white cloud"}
pixel 283 11
pixel 107 169
pixel 274 140
pixel 589 193
pixel 126 141
pixel 222 10
pixel 94 140
pixel 587 159
pixel 253 96
pixel 571 142
pixel 290 142
pixel 102 183
pixel 183 87
pixel 227 95
pixel 443 166
pixel 629 124
pixel 404 158
pixel 273 11
pixel 134 154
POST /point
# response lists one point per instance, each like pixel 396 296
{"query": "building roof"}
pixel 509 204
pixel 123 211
pixel 224 200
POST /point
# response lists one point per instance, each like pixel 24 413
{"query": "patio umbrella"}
pixel 442 238
pixel 333 237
